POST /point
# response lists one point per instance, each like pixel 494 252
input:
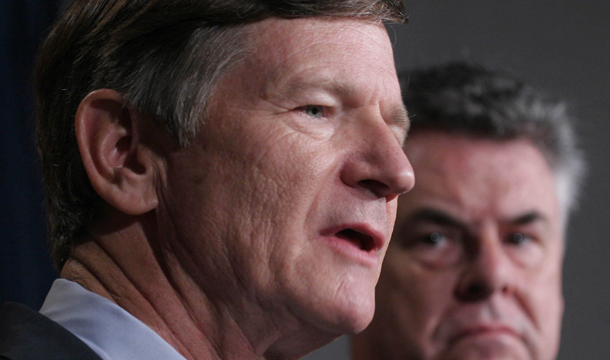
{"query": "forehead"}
pixel 278 38
pixel 478 178
pixel 344 53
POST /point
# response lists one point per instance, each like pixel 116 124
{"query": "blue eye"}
pixel 433 239
pixel 518 238
pixel 315 111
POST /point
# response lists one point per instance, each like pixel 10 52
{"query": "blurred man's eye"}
pixel 432 246
pixel 526 249
pixel 518 238
pixel 434 239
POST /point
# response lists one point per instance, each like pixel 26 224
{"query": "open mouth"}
pixel 361 240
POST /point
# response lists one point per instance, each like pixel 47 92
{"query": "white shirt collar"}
pixel 108 329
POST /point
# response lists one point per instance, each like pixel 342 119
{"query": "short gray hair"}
pixel 475 101
pixel 164 57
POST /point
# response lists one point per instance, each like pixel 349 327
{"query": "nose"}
pixel 486 271
pixel 379 164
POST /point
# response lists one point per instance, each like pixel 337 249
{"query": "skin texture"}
pixel 240 233
pixel 473 291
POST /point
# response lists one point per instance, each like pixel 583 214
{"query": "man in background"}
pixel 221 177
pixel 474 267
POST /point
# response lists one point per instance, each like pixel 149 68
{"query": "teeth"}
pixel 364 241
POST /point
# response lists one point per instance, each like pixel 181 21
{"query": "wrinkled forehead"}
pixel 303 32
pixel 284 44
pixel 478 178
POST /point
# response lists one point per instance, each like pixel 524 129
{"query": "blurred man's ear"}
pixel 119 165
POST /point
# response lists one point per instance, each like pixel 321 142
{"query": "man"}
pixel 221 177
pixel 474 267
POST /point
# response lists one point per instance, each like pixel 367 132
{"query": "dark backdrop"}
pixel 25 270
pixel 562 46
pixel 559 45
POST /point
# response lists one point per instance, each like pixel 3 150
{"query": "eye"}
pixel 433 239
pixel 315 111
pixel 435 249
pixel 518 238
pixel 526 249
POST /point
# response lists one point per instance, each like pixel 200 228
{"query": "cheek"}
pixel 543 289
pixel 547 305
pixel 294 188
pixel 539 302
pixel 413 298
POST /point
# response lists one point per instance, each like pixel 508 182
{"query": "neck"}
pixel 200 317
pixel 160 295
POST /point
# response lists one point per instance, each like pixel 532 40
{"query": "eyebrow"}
pixel 297 85
pixel 435 216
pixel 442 218
pixel 528 218
pixel 399 116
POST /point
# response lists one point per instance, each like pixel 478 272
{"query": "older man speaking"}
pixel 474 269
pixel 221 177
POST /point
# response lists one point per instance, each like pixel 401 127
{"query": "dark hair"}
pixel 472 100
pixel 164 57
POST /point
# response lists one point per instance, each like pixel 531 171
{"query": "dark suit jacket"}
pixel 26 334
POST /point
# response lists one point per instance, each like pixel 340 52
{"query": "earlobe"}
pixel 120 167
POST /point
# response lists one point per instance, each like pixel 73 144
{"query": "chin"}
pixel 322 321
pixel 355 313
pixel 356 321
pixel 359 306
pixel 347 313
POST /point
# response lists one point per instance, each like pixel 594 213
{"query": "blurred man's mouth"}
pixel 485 331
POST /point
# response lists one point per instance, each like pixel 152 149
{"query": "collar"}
pixel 108 329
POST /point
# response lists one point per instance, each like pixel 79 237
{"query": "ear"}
pixel 119 165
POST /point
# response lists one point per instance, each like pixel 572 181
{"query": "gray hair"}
pixel 471 100
pixel 164 57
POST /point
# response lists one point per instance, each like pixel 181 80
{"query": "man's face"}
pixel 474 267
pixel 287 199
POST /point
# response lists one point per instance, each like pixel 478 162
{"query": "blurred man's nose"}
pixel 486 269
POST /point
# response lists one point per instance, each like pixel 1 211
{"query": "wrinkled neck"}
pixel 121 266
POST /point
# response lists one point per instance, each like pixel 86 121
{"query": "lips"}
pixel 485 330
pixel 363 241
pixel 359 241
